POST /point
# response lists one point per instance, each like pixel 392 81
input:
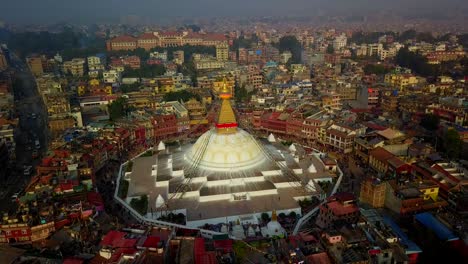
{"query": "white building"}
pixel 340 42
pixel 111 76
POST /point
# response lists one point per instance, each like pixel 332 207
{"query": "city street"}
pixel 32 126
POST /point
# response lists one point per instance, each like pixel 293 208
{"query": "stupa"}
pixel 225 176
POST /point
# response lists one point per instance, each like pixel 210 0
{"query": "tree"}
pixel 330 49
pixel 265 217
pixel 183 95
pixel 375 69
pixel 146 71
pixel 290 43
pixel 117 108
pixel 407 35
pixel 140 204
pixel 453 143
pixel 240 94
pixel 416 62
pixel 293 214
pixel 430 122
pixel 126 88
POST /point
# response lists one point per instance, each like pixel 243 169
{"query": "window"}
pixel 24 231
pixel 8 233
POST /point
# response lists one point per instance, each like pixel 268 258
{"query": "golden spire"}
pixel 226 123
pixel 274 217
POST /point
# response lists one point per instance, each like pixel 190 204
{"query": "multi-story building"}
pixel 179 56
pixel 412 197
pixel 159 55
pixel 95 66
pixel 3 61
pixel 35 65
pixel 74 67
pixel 222 52
pixel 340 42
pixel 339 209
pixel 205 62
pixel 111 76
pixel 452 113
pixel 401 81
pixel 372 192
pixel 381 160
pixel 374 49
pixel 122 43
pixel 341 136
pixel 148 41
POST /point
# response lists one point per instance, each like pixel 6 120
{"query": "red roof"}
pixel 215 37
pixel 319 258
pixel 66 186
pixel 148 35
pixel 225 244
pixel 199 246
pixel 110 237
pixel 170 33
pixel 339 209
pixel 73 261
pixel 206 258
pixel 124 243
pixel 381 154
pixel 123 38
pixel 151 242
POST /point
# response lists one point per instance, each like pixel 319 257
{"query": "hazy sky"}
pixel 88 11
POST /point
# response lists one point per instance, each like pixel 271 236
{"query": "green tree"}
pixel 453 143
pixel 265 217
pixel 407 35
pixel 416 62
pixel 146 71
pixel 240 93
pixel 183 95
pixel 430 122
pixel 126 88
pixel 375 69
pixel 330 49
pixel 140 204
pixel 117 108
pixel 290 43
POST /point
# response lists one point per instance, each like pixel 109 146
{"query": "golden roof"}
pixel 226 123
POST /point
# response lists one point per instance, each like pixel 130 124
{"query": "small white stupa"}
pixel 292 148
pixel 312 168
pixel 274 228
pixel 160 202
pixel 238 231
pixel 251 232
pixel 271 138
pixel 161 145
pixel 224 229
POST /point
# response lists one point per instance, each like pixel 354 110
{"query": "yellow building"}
pixel 222 52
pixel 35 65
pixel 401 81
pixel 429 190
pixel 94 82
pixel 82 89
pixel 373 193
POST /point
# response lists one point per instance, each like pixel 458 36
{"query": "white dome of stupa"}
pixel 226 152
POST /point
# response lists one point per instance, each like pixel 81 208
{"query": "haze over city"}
pixel 91 11
pixel 234 131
